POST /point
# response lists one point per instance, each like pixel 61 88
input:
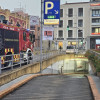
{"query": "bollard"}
pixel 0 65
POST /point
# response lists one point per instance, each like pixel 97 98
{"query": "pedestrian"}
pixel 60 48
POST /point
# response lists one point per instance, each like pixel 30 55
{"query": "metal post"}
pixel 82 41
pixel 20 59
pixel 12 61
pixel 76 38
pixel 27 59
pixel 41 35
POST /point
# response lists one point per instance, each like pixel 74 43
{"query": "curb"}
pixel 15 86
pixel 95 92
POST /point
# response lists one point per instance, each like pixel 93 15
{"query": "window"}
pixel 96 12
pixel 70 47
pixel 96 30
pixel 70 23
pixel 61 23
pixel 38 28
pixel 80 23
pixel 80 33
pixel 61 12
pixel 70 34
pixel 96 20
pixel 32 27
pixel 11 21
pixel 30 37
pixel 70 12
pixel 60 34
pixel 2 17
pixel 24 36
pixel 80 12
pixel 23 24
pixel 18 24
pixel 1 39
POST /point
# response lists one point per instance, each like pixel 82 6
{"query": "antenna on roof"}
pixel 20 5
pixel 66 1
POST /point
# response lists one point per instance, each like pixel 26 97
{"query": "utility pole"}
pixel 42 1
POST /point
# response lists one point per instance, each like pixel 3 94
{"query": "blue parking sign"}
pixel 51 12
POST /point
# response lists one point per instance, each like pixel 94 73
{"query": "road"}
pixel 58 87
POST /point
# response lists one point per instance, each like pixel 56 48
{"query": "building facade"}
pixel 15 18
pixel 78 26
pixel 35 29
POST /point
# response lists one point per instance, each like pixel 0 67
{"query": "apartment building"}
pixel 94 38
pixel 82 22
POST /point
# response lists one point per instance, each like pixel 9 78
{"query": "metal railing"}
pixel 95 53
pixel 17 60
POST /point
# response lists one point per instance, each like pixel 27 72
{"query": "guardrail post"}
pixel 0 65
pixel 20 59
pixel 32 58
pixel 12 61
pixel 27 58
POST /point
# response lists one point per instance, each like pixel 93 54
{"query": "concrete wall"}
pixel 31 68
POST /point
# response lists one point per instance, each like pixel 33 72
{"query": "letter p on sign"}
pixel 47 6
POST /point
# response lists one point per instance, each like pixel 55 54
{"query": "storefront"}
pixel 60 45
pixel 95 42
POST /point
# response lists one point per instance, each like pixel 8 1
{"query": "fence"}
pixel 11 61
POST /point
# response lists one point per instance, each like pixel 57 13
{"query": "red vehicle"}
pixel 15 40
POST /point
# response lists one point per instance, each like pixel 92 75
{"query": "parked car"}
pixel 71 49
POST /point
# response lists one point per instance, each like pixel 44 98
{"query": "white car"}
pixel 70 49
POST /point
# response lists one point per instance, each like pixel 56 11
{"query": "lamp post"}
pixel 42 1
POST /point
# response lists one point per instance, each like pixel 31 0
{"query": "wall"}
pixel 31 68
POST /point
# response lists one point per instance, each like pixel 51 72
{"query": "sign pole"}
pixel 41 35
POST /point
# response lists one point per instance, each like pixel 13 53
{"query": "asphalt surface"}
pixel 58 87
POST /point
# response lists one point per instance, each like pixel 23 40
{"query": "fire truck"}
pixel 15 40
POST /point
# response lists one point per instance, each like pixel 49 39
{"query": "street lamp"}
pixel 42 1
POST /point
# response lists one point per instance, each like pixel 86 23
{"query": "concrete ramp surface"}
pixel 54 87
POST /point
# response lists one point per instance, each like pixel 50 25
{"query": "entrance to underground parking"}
pixel 57 87
pixel 78 64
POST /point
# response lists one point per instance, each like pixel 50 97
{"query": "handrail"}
pixel 18 60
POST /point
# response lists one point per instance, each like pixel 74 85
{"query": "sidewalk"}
pixel 97 82
pixel 94 83
pixel 96 79
pixel 5 86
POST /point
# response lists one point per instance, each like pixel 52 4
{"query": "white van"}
pixel 70 49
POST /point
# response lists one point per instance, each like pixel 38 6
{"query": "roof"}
pixel 75 3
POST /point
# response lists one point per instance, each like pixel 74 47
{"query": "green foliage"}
pixel 98 69
pixel 95 60
pixel 87 53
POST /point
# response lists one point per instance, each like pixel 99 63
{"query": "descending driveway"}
pixel 58 87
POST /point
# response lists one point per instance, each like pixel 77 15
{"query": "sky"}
pixel 33 7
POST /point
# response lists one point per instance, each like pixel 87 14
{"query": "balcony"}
pixel 95 15
pixel 95 24
pixel 60 38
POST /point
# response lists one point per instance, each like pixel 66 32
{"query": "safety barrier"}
pixel 10 61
